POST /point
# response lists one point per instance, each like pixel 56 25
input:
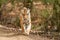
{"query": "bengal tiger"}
pixel 25 20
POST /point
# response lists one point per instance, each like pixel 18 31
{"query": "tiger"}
pixel 25 20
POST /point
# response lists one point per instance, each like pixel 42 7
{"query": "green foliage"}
pixel 45 13
pixel 48 1
pixel 2 2
pixel 12 1
pixel 56 15
pixel 17 21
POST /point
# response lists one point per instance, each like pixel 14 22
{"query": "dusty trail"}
pixel 14 35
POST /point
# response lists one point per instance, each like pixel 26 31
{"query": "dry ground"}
pixel 14 35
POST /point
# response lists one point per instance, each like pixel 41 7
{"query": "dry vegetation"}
pixel 42 18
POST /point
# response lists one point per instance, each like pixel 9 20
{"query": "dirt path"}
pixel 23 37
pixel 14 35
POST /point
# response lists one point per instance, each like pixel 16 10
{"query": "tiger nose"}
pixel 25 16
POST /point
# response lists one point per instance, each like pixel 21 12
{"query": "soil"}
pixel 16 35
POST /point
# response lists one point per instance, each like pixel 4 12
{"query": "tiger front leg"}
pixel 21 23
